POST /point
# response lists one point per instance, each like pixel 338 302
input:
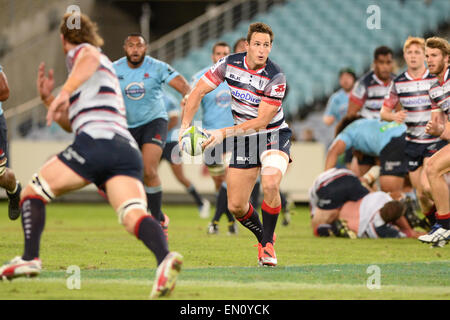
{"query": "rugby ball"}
pixel 192 139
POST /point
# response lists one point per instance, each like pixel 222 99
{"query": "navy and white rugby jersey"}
pixel 249 87
pixel 97 106
pixel 368 93
pixel 413 96
pixel 440 94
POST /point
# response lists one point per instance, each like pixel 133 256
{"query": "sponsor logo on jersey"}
pixel 135 90
pixel 223 98
pixel 245 96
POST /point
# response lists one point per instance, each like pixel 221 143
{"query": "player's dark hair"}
pixel 392 210
pixel 349 71
pixel 382 51
pixel 135 34
pixel 345 122
pixel 87 32
pixel 259 27
pixel 237 43
pixel 220 44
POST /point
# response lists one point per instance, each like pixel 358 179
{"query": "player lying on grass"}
pixel 340 205
pixel 90 104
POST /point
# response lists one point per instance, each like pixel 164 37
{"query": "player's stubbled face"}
pixel 258 49
pixel 384 65
pixel 435 60
pixel 135 49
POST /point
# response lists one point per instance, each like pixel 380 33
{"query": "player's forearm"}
pixel 191 107
pixel 180 84
pixel 386 114
pixel 4 88
pixel 446 134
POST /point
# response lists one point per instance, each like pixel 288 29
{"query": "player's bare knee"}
pixel 270 187
pixel 237 209
pixel 431 169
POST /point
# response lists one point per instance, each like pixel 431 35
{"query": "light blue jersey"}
pixel 370 136
pixel 142 89
pixel 1 109
pixel 172 109
pixel 215 106
pixel 337 105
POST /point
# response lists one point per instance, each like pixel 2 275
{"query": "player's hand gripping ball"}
pixel 192 140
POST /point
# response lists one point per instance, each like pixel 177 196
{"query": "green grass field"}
pixel 114 265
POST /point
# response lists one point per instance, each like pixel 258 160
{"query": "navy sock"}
pixel 33 222
pixel 443 220
pixel 149 231
pixel 270 217
pixel 254 197
pixel 251 221
pixel 431 216
pixel 193 192
pixel 222 204
pixel 324 230
pixel 154 200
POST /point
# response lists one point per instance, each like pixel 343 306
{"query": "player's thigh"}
pixel 324 216
pixel 439 163
pixel 122 188
pixel 57 177
pixel 240 183
pixel 151 155
pixel 392 184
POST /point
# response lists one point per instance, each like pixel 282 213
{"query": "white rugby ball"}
pixel 192 139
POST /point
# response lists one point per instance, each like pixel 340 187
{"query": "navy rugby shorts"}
pixel 416 152
pixel 98 160
pixel 247 150
pixel 154 132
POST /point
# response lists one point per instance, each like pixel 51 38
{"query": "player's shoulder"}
pixel 235 59
pixel 402 77
pixel 201 72
pixel 273 69
pixel 120 62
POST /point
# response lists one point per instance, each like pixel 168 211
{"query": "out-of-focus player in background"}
pixel 171 153
pixel 90 104
pixel 7 178
pixel 437 52
pixel 368 94
pixel 337 104
pixel 261 143
pixel 409 91
pixel 216 113
pixel 141 78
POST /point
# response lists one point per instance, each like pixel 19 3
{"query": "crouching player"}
pixel 90 104
pixel 340 205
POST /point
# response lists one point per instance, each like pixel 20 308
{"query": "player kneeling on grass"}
pixel 104 152
pixel 341 206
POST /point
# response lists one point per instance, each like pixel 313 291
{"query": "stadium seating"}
pixel 315 39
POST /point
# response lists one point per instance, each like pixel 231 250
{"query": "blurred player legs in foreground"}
pixel 103 153
pixel 7 177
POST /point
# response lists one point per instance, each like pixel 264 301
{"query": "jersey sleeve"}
pixel 216 74
pixel 167 72
pixel 359 93
pixel 391 99
pixel 346 138
pixel 275 90
pixel 331 107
